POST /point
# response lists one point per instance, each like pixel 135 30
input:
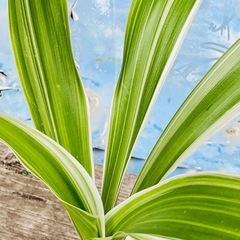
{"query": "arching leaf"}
pixel 212 104
pixel 154 33
pixel 201 206
pixel 54 92
pixel 60 171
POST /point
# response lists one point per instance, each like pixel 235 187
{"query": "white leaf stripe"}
pixel 129 107
pixel 53 89
pixel 203 203
pixel 195 121
pixel 139 236
pixel 64 175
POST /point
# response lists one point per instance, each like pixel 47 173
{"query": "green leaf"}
pixel 135 236
pixel 53 89
pixel 213 103
pixel 61 172
pixel 138 236
pixel 201 206
pixel 154 34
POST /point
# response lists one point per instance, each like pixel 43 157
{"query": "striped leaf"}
pixel 60 171
pixel 139 236
pixel 53 89
pixel 213 103
pixel 135 236
pixel 154 33
pixel 201 206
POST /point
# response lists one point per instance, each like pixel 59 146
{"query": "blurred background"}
pixel 97 31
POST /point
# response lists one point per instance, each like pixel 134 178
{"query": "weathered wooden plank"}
pixel 28 210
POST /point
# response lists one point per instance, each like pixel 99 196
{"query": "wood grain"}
pixel 28 210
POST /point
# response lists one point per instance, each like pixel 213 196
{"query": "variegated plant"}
pixel 197 206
